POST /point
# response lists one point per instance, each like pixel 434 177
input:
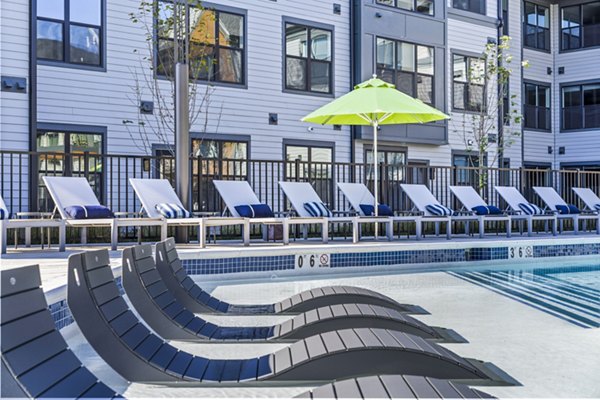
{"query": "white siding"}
pixel 103 98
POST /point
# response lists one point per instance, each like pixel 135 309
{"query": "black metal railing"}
pixel 22 188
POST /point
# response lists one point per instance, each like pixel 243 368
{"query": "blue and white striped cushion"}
pixel 171 210
pixel 317 209
pixel 530 209
pixel 3 214
pixel 597 207
pixel 439 210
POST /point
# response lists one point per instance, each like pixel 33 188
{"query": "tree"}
pixel 488 81
pixel 178 31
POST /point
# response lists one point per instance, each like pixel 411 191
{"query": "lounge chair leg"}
pixel 3 232
pixel 449 229
pixel 355 231
pixel 508 228
pixel 419 229
pixel 576 225
pixel 325 231
pixel 83 234
pixel 246 233
pixel 202 235
pixel 286 233
pixel 467 228
pixel 554 227
pixel 481 228
pixel 62 237
pixel 389 230
pixel 163 231
pixel 114 235
pixel 28 237
pixel 529 226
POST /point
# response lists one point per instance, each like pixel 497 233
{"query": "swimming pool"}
pixel 571 293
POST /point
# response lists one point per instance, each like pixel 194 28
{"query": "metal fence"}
pixel 22 188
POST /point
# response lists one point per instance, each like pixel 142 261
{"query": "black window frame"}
pixel 66 35
pixel 538 29
pixel 579 108
pixel 309 27
pixel 537 110
pixel 68 129
pixel 216 48
pixel 581 27
pixel 504 12
pixel 414 8
pixel 468 84
pixel 469 6
pixel 415 71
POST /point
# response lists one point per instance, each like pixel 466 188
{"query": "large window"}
pixel 422 6
pixel 216 44
pixel 308 59
pixel 468 83
pixel 581 106
pixel 536 27
pixel 312 164
pixel 408 66
pixel 537 106
pixel 68 154
pixel 476 6
pixel 70 31
pixel 580 26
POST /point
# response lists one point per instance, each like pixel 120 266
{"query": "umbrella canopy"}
pixel 375 102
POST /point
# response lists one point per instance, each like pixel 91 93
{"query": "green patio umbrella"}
pixel 375 102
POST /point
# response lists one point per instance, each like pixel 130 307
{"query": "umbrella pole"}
pixel 375 175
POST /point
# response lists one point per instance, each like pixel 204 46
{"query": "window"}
pixel 216 159
pixel 537 106
pixel 581 106
pixel 217 44
pixel 465 172
pixel 70 31
pixel 505 17
pixel 476 6
pixel 536 27
pixel 422 6
pixel 580 26
pixel 308 59
pixel 394 163
pixel 311 164
pixel 408 66
pixel 468 83
pixel 84 149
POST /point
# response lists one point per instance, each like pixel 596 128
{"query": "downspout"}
pixel 500 144
pixel 32 105
pixel 354 18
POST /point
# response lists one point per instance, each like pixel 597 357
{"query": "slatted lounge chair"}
pixel 470 199
pixel 36 360
pixel 515 199
pixel 239 193
pixel 358 194
pixel 139 355
pixel 74 191
pixel 170 319
pixel 552 199
pixel 6 223
pixel 152 192
pixel 394 387
pixel 301 193
pixel 589 198
pixel 197 300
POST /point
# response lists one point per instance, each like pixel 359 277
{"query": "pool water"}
pixel 569 293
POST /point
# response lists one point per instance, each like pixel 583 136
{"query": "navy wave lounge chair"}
pixel 36 361
pixel 139 355
pixel 171 320
pixel 198 301
pixel 394 387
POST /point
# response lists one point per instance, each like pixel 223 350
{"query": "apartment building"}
pixel 70 67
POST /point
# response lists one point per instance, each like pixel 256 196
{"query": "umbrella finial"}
pixel 374 76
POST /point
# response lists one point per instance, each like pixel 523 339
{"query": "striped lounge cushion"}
pixel 530 209
pixel 3 214
pixel 597 207
pixel 171 210
pixel 317 209
pixel 439 210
